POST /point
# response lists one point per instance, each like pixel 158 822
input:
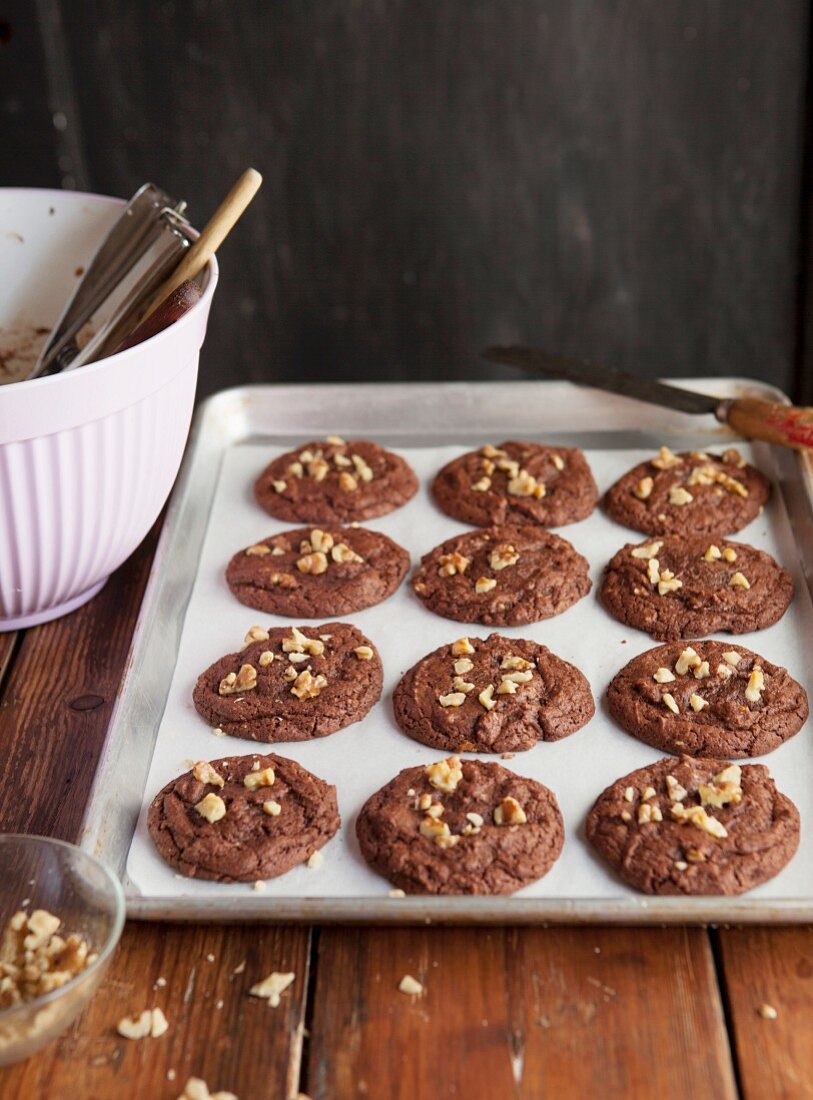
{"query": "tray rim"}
pixel 227 409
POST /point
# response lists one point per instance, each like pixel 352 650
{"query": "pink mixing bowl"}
pixel 87 458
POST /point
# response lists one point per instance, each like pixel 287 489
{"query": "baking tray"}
pixel 404 417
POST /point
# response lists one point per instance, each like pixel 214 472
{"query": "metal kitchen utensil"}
pixel 134 259
pixel 752 417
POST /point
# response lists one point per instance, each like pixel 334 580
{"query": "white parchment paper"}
pixel 364 756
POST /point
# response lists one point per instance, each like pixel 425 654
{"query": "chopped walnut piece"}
pixel 342 460
pixel 523 676
pixel 712 554
pixel 459 684
pixel 697 703
pixel 502 556
pixel 362 468
pixel 280 486
pixel 509 812
pixel 296 469
pixel 666 460
pixel 679 496
pixel 643 490
pixel 347 483
pixel 137 1026
pixel 648 813
pixel 509 466
pixel 482 485
pixel 444 841
pixel 272 808
pixel 669 700
pixel 626 815
pixel 255 634
pixel 702 671
pixel 646 552
pixel 462 647
pixel 212 807
pixel 676 792
pixel 205 773
pixel 289 674
pixel 435 810
pixel 739 581
pixel 756 683
pixel 486 697
pixel 491 451
pixel 453 563
pixel 301 643
pixel 321 540
pixel 234 683
pixel 732 457
pixel 445 774
pixel 767 1012
pixel 731 657
pixel 681 865
pixel 463 666
pixel 265 659
pixel 308 686
pixel 197 1089
pixel 484 584
pixel 334 440
pixel 315 861
pixel 694 855
pixel 729 554
pixel 647 793
pixel 272 987
pixel 253 780
pixel 453 699
pixel 697 816
pixel 668 584
pixel 506 687
pixel 629 794
pixel 364 652
pixel 315 564
pixel 653 571
pixel 687 660
pixel 724 788
pixel 475 819
pixel 341 553
pixel 663 676
pixel 411 986
pixel 258 550
pixel 513 663
pixel 702 475
pixel 558 461
pixel 433 829
pixel 525 485
pixel 725 671
pixel 283 580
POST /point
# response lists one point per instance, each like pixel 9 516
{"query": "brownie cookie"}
pixel 502 576
pixel 517 483
pixel 292 684
pixel 692 826
pixel 461 827
pixel 335 482
pixel 318 573
pixel 492 695
pixel 684 586
pixel 242 818
pixel 707 699
pixel 693 492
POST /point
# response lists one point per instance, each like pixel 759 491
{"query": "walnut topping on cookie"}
pixel 502 556
pixel 235 682
pixel 445 775
pixel 205 773
pixel 212 807
pixel 451 564
pixel 509 812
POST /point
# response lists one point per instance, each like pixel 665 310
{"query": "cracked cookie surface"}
pixel 683 586
pixel 694 492
pixel 492 694
pixel 318 572
pixel 462 849
pixel 694 826
pixel 502 576
pixel 724 700
pixel 517 483
pixel 317 680
pixel 243 842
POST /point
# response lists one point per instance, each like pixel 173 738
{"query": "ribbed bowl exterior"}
pixel 76 503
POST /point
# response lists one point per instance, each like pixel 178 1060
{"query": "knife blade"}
pixel 614 381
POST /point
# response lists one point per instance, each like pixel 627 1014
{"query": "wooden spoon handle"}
pixel 755 418
pixel 211 237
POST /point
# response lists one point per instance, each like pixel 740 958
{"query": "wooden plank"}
pixel 56 703
pixel 7 646
pixel 216 1031
pixel 770 966
pixel 619 181
pixel 532 1012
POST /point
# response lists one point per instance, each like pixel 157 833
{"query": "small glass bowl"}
pixel 39 873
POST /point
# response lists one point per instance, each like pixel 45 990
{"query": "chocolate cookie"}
pixel 335 482
pixel 461 827
pixel 693 826
pixel 517 483
pixel 502 576
pixel 707 699
pixel 492 695
pixel 318 573
pixel 684 586
pixel 242 818
pixel 692 492
pixel 292 684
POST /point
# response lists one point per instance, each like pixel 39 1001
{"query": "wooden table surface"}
pixel 506 1012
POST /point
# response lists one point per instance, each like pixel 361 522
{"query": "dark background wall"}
pixel 621 180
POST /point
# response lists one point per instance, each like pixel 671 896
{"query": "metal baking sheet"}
pixel 155 730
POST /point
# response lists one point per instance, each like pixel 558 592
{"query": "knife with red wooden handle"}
pixel 752 417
